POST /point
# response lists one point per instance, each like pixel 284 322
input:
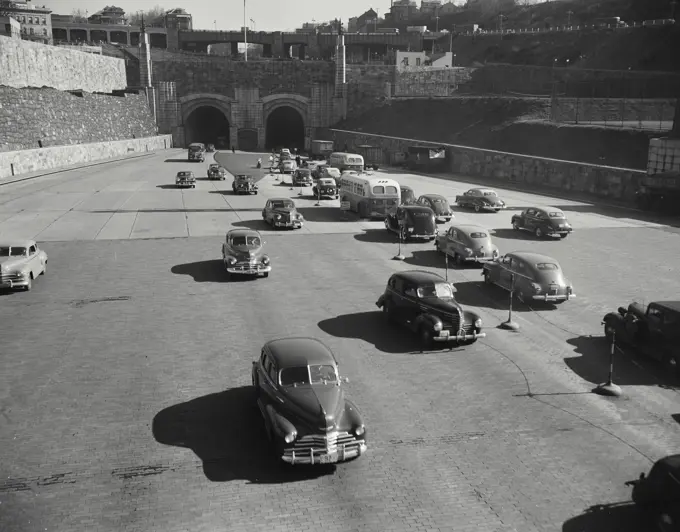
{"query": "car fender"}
pixel 380 302
pixel 353 416
pixel 426 319
pixel 615 319
pixel 279 423
pixel 470 317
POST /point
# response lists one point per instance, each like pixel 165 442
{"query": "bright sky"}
pixel 269 15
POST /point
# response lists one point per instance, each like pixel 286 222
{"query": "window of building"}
pixel 44 21
pixel 45 31
pixel 32 31
pixel 417 61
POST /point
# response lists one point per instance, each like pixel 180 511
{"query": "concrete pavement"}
pixel 124 393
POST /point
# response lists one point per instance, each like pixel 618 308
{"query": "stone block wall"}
pixel 664 156
pixel 15 163
pixel 29 64
pixel 508 168
pixel 31 117
pixel 575 110
pixel 430 82
pixel 368 86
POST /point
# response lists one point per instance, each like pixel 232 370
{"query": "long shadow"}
pixel 676 418
pixel 177 161
pixel 321 214
pixel 205 271
pixel 428 258
pixel 478 294
pixel 371 327
pixel 257 225
pixel 592 365
pixel 169 187
pixel 511 234
pixel 378 236
pixel 226 432
pixel 617 517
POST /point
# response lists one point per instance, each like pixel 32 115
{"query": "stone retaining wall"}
pixel 583 110
pixel 507 168
pixel 13 163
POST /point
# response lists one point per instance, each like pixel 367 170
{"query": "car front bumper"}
pixel 248 269
pixel 295 224
pixel 185 183
pixel 12 284
pixel 552 297
pixel 344 452
pixel 460 336
pixel 414 236
pixel 559 232
pixel 494 208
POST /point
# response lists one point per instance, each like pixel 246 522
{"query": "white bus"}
pixel 370 196
pixel 346 161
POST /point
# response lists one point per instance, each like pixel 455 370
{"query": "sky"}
pixel 268 15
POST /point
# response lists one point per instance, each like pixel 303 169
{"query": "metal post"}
pixel 446 262
pixel 318 195
pixel 245 32
pixel 509 324
pixel 609 388
pixel 399 256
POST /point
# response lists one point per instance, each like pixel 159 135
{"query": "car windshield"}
pixel 293 376
pixel 556 214
pixel 438 200
pixel 245 179
pixel 323 373
pixel 4 252
pixel 245 241
pixel 282 205
pixel 440 290
pixel 327 182
pixel 490 193
pixel 184 174
pixel 478 235
pixel 214 166
pixel 547 266
pixel 195 148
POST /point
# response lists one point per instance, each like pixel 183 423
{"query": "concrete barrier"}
pixel 14 163
pixel 506 168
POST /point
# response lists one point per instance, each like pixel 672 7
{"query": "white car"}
pixel 21 262
pixel 287 167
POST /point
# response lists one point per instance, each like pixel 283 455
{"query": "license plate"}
pixel 444 334
pixel 328 458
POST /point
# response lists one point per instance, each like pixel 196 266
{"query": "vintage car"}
pixel 408 196
pixel 21 262
pixel 326 188
pixel 210 148
pixel 302 178
pixel 244 184
pixel 281 212
pixel 480 199
pixel 536 277
pixel 185 179
pixel 284 152
pixel 424 302
pixel 658 494
pixel 653 331
pixel 287 166
pixel 196 152
pixel 542 221
pixel 243 255
pixel 412 222
pixel 215 171
pixel 467 243
pixel 307 417
pixel 319 169
pixel 439 204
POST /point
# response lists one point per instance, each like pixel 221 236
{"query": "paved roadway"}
pixel 124 391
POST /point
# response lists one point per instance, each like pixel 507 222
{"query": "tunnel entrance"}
pixel 208 125
pixel 285 129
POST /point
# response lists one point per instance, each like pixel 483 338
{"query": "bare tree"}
pixel 153 16
pixel 79 15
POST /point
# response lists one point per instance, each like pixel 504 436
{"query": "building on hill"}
pixel 368 22
pixel 110 15
pixel 36 22
pixel 449 8
pixel 10 27
pixel 178 18
pixel 402 11
pixel 352 26
pixel 430 7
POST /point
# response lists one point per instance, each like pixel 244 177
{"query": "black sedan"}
pixel 542 221
pixel 412 222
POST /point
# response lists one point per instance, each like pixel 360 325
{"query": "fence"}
pixel 571 27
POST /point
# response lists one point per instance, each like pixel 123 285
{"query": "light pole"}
pixel 245 32
pixel 254 25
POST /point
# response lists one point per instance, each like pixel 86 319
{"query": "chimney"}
pixel 340 65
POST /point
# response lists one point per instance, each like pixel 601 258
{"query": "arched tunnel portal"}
pixel 285 128
pixel 209 125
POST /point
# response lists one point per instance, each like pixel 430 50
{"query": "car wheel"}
pixel 477 208
pixel 564 235
pixel 538 233
pixel 516 226
pixel 487 278
pixel 29 284
pixel 265 274
pixel 425 338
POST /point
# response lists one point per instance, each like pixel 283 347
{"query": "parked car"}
pixel 481 199
pixel 281 212
pixel 424 302
pixel 287 167
pixel 537 277
pixel 300 394
pixel 215 171
pixel 412 222
pixel 542 221
pixel 326 188
pixel 21 262
pixel 244 184
pixel 319 169
pixel 467 243
pixel 408 196
pixel 658 494
pixel 653 331
pixel 185 179
pixel 242 253
pixel 439 204
pixel 210 148
pixel 302 178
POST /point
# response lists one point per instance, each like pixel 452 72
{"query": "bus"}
pixel 196 152
pixel 370 196
pixel 346 161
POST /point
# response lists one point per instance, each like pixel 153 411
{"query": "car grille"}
pixel 321 444
pixel 451 321
pixel 10 276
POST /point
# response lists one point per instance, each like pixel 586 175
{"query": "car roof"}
pixel 417 208
pixel 280 199
pixel 420 276
pixel 670 305
pixel 295 352
pixel 243 232
pixel 533 257
pixel 483 190
pixel 471 228
pixel 182 172
pixel 545 209
pixel 214 164
pixel 16 243
pixel 432 196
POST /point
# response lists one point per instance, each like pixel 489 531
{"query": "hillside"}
pixel 505 124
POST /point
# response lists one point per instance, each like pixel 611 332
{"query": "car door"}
pixel 396 298
pixel 454 241
pixel 506 272
pixel 34 260
pixel 410 308
pixel 655 328
pixel 528 219
pixel 448 242
pixel 266 210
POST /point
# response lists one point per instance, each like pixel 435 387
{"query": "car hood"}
pixel 285 210
pixel 441 208
pixel 322 405
pixel 246 251
pixel 8 263
pixel 440 306
pixel 422 224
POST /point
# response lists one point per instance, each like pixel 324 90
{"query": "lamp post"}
pixel 511 325
pixel 245 32
pixel 609 388
pixel 400 255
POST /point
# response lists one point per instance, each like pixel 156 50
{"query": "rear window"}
pixel 391 190
pixel 420 214
pixel 378 190
pixel 478 235
pixel 556 214
pixel 547 266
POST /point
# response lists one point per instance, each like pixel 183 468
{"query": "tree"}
pixel 79 15
pixel 152 17
pixel 4 5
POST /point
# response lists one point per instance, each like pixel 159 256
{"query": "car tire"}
pixel 516 226
pixel 563 236
pixel 538 233
pixel 387 312
pixel 29 284
pixel 487 278
pixel 265 274
pixel 477 208
pixel 425 338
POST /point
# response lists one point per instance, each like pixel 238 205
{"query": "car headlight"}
pixel 411 229
pixel 290 437
pixel 359 430
pixel 495 253
pixel 468 251
pixel 265 260
pixel 25 273
pixel 231 260
pixel 277 216
pixel 478 323
pixel 536 287
pixel 438 326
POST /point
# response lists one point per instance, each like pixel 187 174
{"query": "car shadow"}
pixel 321 214
pixel 616 517
pixel 592 365
pixel 481 295
pixel 511 234
pixel 177 160
pixel 8 291
pixel 168 187
pixel 225 431
pixel 205 271
pixel 257 225
pixel 428 258
pixel 372 328
pixel 676 417
pixel 378 236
